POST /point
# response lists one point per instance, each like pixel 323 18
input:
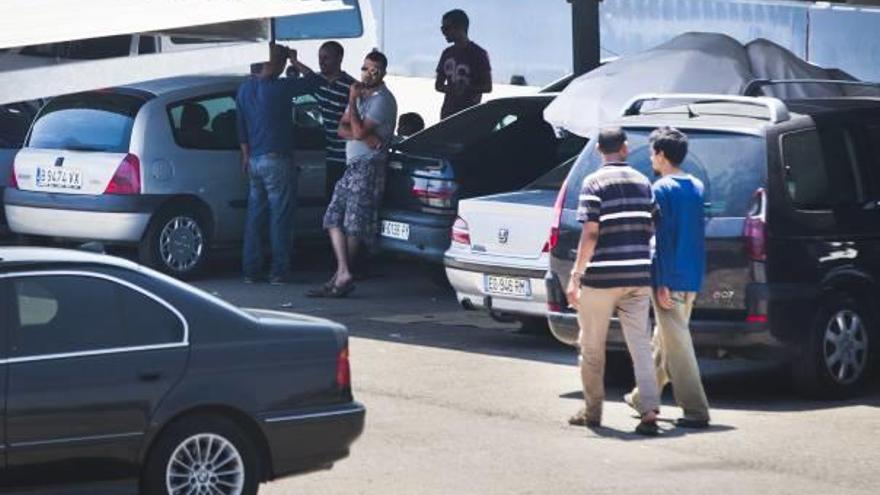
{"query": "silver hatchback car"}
pixel 155 164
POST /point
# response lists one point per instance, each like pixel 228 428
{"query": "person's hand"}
pixel 664 298
pixel 355 91
pixel 244 163
pixel 373 142
pixel 291 55
pixel 573 293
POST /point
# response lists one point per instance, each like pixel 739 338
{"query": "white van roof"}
pixel 38 22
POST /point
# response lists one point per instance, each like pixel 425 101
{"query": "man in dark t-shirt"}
pixel 463 72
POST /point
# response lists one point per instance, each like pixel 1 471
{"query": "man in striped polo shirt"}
pixel 613 272
pixel 330 87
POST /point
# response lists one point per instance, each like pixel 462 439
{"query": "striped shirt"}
pixel 621 201
pixel 332 100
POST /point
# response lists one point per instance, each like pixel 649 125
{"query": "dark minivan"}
pixel 497 146
pixel 792 230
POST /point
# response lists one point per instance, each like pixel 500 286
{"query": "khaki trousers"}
pixel 595 309
pixel 674 358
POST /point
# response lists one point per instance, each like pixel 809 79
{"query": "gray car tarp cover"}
pixel 689 63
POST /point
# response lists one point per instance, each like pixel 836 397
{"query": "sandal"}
pixel 323 289
pixel 339 291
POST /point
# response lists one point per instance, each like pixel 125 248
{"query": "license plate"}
pixel 64 178
pixel 508 286
pixel 395 230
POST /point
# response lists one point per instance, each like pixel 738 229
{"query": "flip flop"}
pixel 322 290
pixel 340 291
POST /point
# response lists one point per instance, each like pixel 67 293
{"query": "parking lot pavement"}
pixel 458 403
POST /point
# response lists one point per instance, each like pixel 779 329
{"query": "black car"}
pixel 497 146
pixel 792 230
pixel 114 373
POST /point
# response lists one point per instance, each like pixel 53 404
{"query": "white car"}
pixel 499 251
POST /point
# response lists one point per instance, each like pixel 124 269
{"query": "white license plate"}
pixel 65 178
pixel 395 230
pixel 508 286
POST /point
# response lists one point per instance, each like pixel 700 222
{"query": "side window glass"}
pixel 147 322
pixel 67 313
pixel 505 122
pixel 308 127
pixel 819 169
pixel 205 123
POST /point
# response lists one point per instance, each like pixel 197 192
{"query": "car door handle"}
pixel 149 375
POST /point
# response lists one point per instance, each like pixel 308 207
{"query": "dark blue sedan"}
pixel 113 374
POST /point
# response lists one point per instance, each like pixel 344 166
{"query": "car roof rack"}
pixel 756 85
pixel 778 112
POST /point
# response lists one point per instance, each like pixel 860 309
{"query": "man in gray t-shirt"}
pixel 352 215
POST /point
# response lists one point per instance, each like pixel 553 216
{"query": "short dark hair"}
pixel 610 140
pixel 379 58
pixel 457 18
pixel 411 120
pixel 335 47
pixel 672 142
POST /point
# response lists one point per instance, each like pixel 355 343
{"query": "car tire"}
pixel 838 357
pixel 174 458
pixel 176 242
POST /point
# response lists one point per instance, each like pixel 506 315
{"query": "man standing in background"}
pixel 265 132
pixel 330 87
pixel 463 73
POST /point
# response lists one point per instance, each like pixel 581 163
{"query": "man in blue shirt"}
pixel 265 133
pixel 677 274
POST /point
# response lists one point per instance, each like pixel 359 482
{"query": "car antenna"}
pixel 691 113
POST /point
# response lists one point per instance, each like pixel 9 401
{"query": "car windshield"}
pixel 86 122
pixel 477 123
pixel 731 166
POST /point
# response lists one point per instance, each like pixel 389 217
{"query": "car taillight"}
pixel 557 218
pixel 460 232
pixel 343 369
pixel 434 192
pixel 755 228
pixel 13 180
pixel 127 179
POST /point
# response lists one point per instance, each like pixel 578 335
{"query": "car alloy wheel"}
pixel 181 243
pixel 845 347
pixel 205 463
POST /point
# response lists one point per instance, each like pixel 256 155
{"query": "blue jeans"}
pixel 272 195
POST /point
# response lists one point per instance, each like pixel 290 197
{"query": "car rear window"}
pixel 477 123
pixel 731 166
pixel 553 179
pixel 95 121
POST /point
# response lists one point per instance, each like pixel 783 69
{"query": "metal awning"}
pixel 36 22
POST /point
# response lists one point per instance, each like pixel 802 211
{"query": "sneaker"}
pixel 249 280
pixel 278 281
pixel 580 419
pixel 697 424
pixel 648 428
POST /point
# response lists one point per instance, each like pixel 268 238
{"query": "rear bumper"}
pixel 428 234
pixel 305 441
pixel 468 280
pixel 118 218
pixel 711 337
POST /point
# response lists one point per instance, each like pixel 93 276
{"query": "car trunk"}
pixel 79 142
pixel 513 224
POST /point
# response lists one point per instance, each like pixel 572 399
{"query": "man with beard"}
pixel 352 215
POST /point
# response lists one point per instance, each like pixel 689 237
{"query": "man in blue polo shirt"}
pixel 677 273
pixel 265 133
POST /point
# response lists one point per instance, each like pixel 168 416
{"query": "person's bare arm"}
pixel 586 248
pixel 440 83
pixel 344 130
